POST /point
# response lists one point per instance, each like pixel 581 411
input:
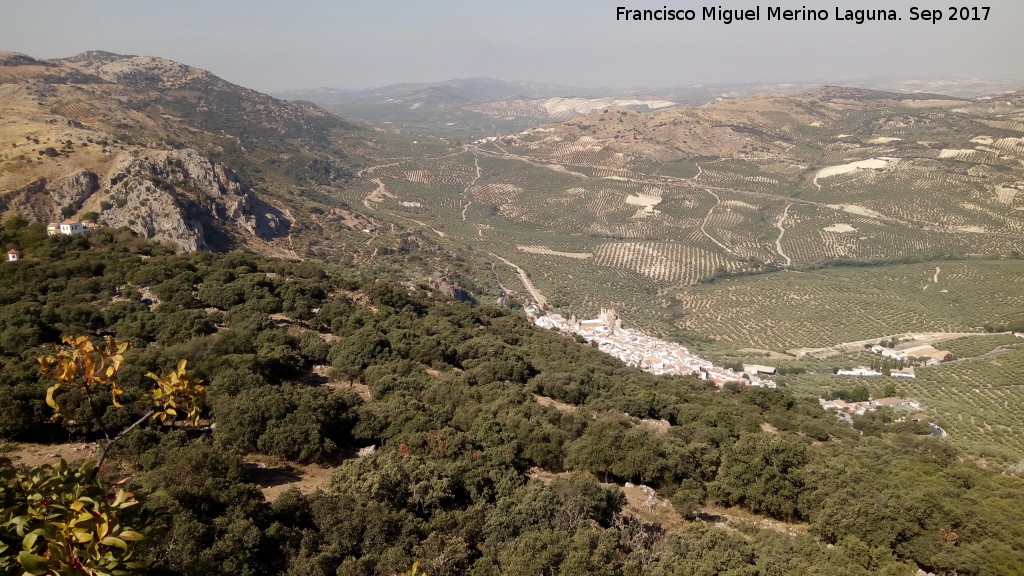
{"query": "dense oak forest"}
pixel 460 437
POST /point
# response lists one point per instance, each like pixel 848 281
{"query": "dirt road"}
pixel 539 298
pixel 917 337
pixel 782 232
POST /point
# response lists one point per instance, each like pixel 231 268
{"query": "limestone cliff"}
pixel 182 197
pixel 176 196
pixel 71 191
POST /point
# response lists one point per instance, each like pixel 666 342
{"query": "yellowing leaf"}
pixel 131 536
pixel 112 541
pixel 49 396
pixel 82 364
pixel 66 371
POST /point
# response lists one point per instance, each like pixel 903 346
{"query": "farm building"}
pixel 908 352
pixel 859 371
pixel 755 369
pixel 66 227
pixel 859 408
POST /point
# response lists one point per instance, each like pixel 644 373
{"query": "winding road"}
pixel 708 217
pixel 539 298
pixel 377 196
pixel 465 191
pixel 782 232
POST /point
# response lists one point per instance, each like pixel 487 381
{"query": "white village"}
pixel 663 357
pixel 651 354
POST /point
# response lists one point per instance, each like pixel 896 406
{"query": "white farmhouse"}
pixel 859 371
pixel 66 227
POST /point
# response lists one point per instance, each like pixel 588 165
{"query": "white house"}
pixel 859 371
pixel 66 227
pixel 755 369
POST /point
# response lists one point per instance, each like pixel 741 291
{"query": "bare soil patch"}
pixel 858 210
pixel 321 377
pixel 545 476
pixel 362 389
pixel 549 252
pixel 643 504
pixel 276 476
pixel 840 228
pixel 35 454
pixel 870 164
pixel 552 403
pixel 642 199
pixel 729 517
pixel 659 426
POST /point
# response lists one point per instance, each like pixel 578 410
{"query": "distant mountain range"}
pixel 472 105
pixel 487 105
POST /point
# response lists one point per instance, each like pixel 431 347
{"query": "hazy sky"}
pixel 353 44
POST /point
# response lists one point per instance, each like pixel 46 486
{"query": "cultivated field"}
pixel 650 204
pixel 637 211
pixel 819 308
pixel 975 401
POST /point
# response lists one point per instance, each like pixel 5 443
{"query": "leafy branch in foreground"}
pixel 56 520
pixel 82 364
pixel 177 390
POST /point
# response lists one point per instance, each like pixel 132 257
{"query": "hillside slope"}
pixel 621 208
pixel 171 151
pixel 489 446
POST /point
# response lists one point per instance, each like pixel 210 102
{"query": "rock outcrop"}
pixel 133 138
pixel 443 283
pixel 182 197
pixel 70 192
pixel 30 201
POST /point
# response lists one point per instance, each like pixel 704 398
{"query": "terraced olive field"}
pixel 632 211
pixel 624 209
pixel 819 308
pixel 976 401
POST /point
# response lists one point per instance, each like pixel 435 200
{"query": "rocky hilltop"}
pixel 170 151
pixel 177 196
pixel 180 194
